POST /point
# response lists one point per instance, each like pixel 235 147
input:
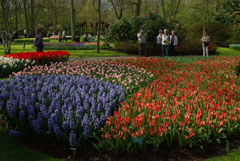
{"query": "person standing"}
pixel 59 36
pixel 159 42
pixel 89 37
pixel 165 43
pixel 25 33
pixel 39 40
pixel 64 36
pixel 174 43
pixel 205 43
pixel 141 43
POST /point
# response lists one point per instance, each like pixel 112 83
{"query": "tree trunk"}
pixel 118 15
pixel 6 27
pixel 4 15
pixel 163 8
pixel 99 25
pixel 32 18
pixel 55 15
pixel 25 14
pixel 176 11
pixel 205 15
pixel 216 6
pixel 73 20
pixel 16 13
pixel 138 8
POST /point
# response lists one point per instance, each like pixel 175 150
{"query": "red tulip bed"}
pixel 42 57
pixel 189 105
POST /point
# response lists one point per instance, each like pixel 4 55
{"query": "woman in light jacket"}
pixel 205 43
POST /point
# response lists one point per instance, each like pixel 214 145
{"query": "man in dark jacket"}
pixel 39 41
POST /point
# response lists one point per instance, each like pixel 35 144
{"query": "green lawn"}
pixel 74 53
pixel 233 156
pixel 12 150
pixel 227 52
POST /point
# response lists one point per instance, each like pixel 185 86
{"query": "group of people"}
pixel 165 41
pixel 87 37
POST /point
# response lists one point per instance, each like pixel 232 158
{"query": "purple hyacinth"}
pixel 13 133
pixel 86 132
pixel 58 132
pixel 36 126
pixel 72 124
pixel 72 139
pixel 65 125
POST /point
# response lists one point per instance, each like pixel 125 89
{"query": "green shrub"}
pixel 194 47
pixel 152 26
pixel 29 40
pixel 235 46
pixel 235 36
pixel 106 45
pixel 219 33
pixel 126 47
pixel 119 32
pixel 132 48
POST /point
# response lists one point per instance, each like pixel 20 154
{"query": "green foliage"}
pixel 126 47
pixel 229 13
pixel 235 36
pixel 152 26
pixel 106 45
pixel 235 46
pixel 136 23
pixel 219 33
pixel 120 31
pixel 29 40
pixel 124 30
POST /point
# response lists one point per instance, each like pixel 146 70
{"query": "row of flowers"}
pixel 130 77
pixel 189 104
pixel 17 62
pixel 66 108
pixel 10 65
pixel 42 57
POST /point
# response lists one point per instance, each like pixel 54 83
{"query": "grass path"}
pixel 74 53
pixel 12 150
pixel 227 52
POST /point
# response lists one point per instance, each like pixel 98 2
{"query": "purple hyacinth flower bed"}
pixel 68 108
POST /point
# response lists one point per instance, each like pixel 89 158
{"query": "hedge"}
pixel 235 46
pixel 29 40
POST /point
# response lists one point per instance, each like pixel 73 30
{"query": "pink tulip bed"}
pixel 130 77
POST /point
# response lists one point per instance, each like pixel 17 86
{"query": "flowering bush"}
pixel 67 108
pixel 9 65
pixel 128 76
pixel 42 57
pixel 189 104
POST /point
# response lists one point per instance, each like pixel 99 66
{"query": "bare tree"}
pixel 118 7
